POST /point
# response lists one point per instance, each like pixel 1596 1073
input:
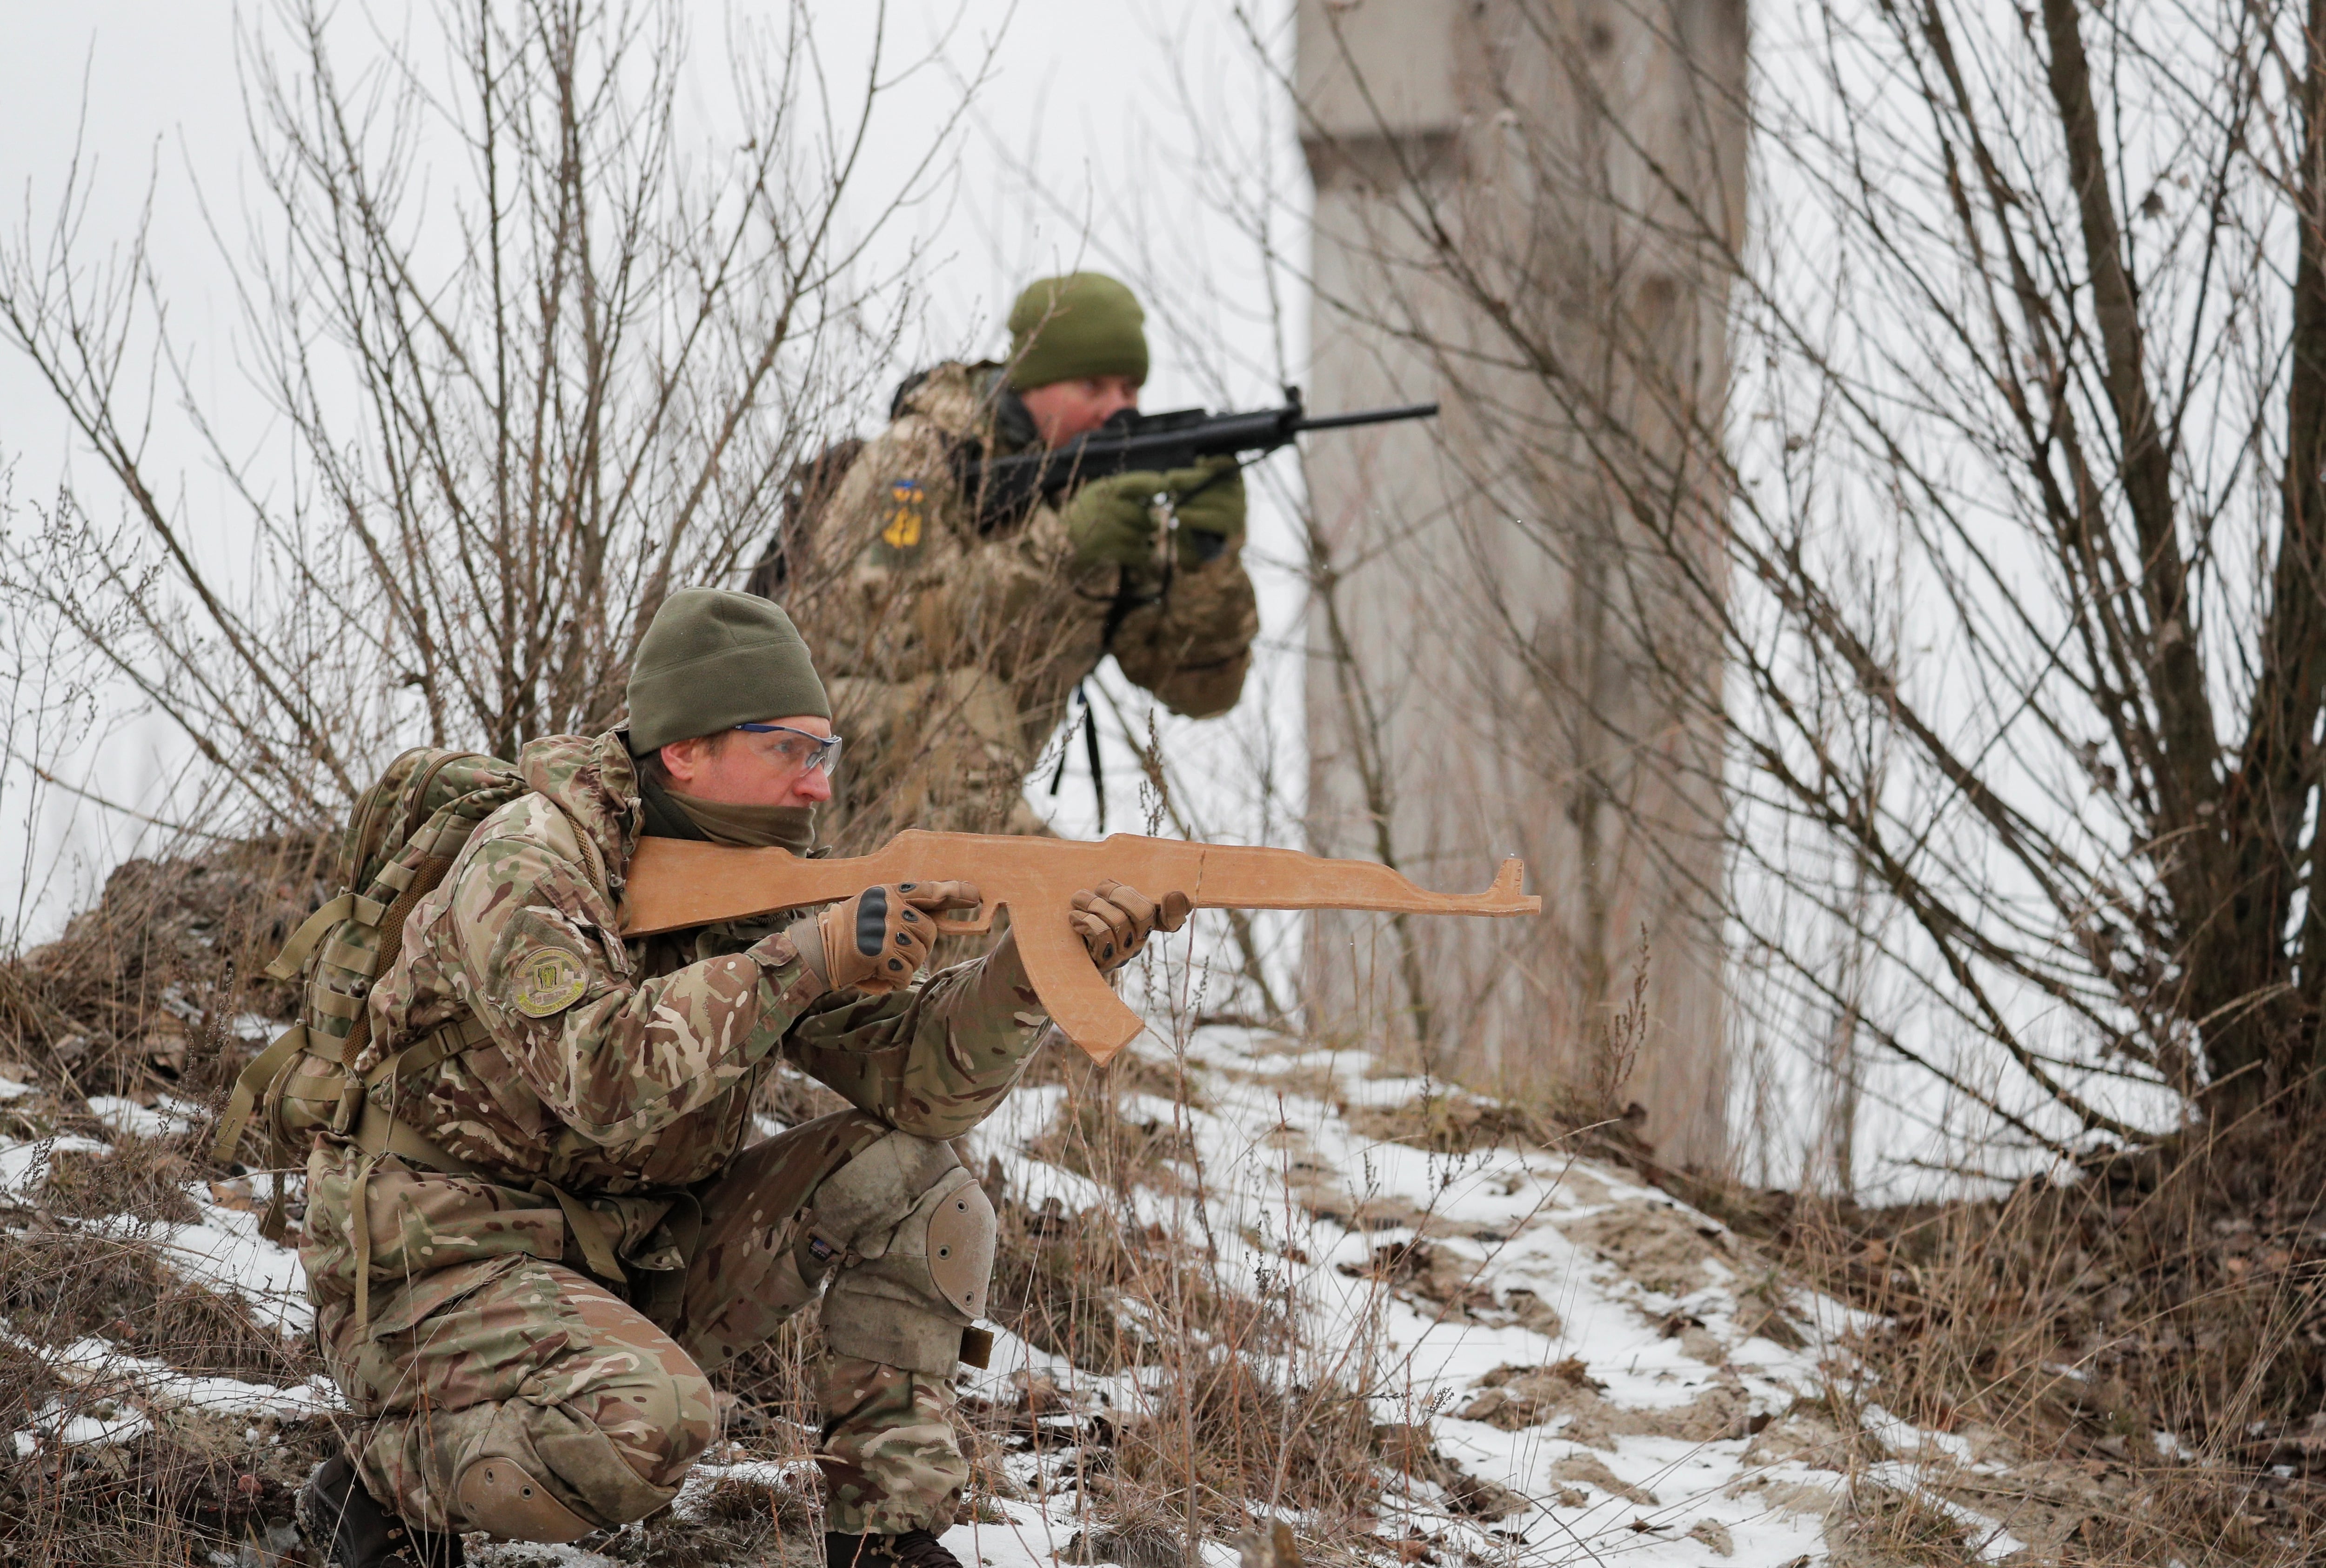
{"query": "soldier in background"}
pixel 951 638
pixel 520 1284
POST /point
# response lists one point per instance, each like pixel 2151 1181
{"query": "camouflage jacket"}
pixel 898 581
pixel 616 1067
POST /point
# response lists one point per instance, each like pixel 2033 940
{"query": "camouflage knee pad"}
pixel 909 1237
pixel 544 1472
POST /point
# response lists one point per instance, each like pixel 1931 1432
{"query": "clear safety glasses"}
pixel 795 750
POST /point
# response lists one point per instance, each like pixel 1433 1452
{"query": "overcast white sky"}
pixel 1086 92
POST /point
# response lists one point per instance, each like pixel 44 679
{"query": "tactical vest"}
pixel 401 840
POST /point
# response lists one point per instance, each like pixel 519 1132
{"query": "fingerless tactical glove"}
pixel 877 940
pixel 1115 921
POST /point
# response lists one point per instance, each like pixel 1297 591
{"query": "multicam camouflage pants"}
pixel 605 1400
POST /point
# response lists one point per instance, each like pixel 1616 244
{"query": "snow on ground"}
pixel 115 1394
pixel 1588 1366
pixel 1551 1263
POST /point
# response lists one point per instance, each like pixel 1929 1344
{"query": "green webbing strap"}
pixel 588 1229
pixel 335 1003
pixel 293 956
pixel 359 1224
pixel 451 1038
pixel 250 1086
pixel 377 1132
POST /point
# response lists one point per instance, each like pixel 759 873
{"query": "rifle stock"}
pixel 674 883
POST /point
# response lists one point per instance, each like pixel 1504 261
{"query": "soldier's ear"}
pixel 684 760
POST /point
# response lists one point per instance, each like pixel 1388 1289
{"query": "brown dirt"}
pixel 1515 1397
pixel 1658 1243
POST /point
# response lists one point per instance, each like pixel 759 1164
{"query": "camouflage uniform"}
pixel 604 1102
pixel 950 653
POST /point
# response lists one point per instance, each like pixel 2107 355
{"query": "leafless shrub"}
pixel 537 358
pixel 1992 560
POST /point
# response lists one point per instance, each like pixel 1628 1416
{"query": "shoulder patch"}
pixel 547 980
pixel 904 518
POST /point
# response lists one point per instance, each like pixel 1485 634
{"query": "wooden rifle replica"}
pixel 674 883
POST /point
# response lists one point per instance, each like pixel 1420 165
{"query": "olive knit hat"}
pixel 712 660
pixel 1081 324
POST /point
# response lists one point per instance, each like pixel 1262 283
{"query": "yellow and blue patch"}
pixel 904 524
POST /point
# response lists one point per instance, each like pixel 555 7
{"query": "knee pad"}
pixel 550 1472
pixel 912 1236
pixel 501 1497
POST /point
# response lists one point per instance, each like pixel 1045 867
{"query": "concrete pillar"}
pixel 1499 660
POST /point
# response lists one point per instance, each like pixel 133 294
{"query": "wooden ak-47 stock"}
pixel 674 883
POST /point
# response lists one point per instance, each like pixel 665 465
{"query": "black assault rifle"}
pixel 1005 489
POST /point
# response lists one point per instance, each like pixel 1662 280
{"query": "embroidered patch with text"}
pixel 548 980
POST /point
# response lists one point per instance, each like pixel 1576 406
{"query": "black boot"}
pixel 913 1549
pixel 341 1520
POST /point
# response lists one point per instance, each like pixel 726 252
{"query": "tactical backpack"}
pixel 806 494
pixel 401 840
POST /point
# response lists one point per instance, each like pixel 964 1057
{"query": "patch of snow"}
pixel 1907 1441
pixel 24 1161
pixel 771 1472
pixel 166 1119
pixel 117 1393
pixel 12 1089
pixel 1637 1344
pixel 95 1362
pixel 1986 1537
pixel 225 1252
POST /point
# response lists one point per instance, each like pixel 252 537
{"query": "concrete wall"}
pixel 1497 662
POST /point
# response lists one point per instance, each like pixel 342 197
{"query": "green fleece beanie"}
pixel 714 659
pixel 1081 324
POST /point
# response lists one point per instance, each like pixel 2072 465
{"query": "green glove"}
pixel 1113 520
pixel 1209 502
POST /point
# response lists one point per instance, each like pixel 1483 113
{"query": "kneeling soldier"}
pixel 522 1292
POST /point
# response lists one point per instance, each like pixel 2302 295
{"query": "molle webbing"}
pixel 402 838
pixel 402 841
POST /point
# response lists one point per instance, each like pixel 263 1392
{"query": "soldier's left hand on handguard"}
pixel 877 940
pixel 1115 921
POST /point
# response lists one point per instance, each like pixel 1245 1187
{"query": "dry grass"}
pixel 1235 1416
pixel 141 992
pixel 192 1484
pixel 2057 1329
pixel 2063 1329
pixel 137 997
